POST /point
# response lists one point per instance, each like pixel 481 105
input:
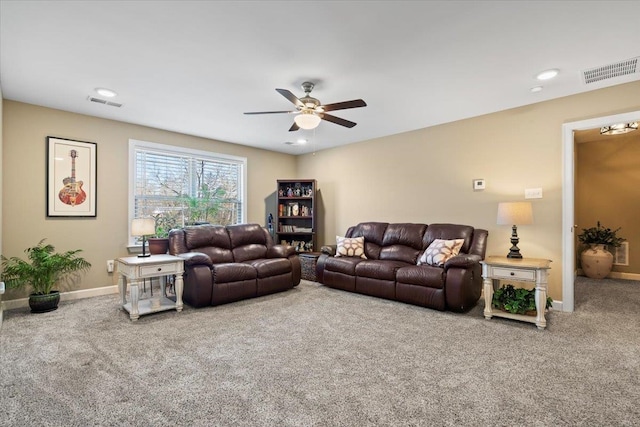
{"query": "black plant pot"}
pixel 40 303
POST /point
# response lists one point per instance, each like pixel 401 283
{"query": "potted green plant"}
pixel 42 271
pixel 517 300
pixel 159 242
pixel 596 260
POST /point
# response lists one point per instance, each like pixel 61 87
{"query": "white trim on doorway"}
pixel 568 197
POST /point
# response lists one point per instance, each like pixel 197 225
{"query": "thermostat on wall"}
pixel 478 184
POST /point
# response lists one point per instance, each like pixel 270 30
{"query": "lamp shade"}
pixel 307 120
pixel 143 227
pixel 515 213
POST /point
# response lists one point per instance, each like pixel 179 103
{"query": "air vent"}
pixel 622 68
pixel 103 101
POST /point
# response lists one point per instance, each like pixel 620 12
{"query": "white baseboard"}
pixel 65 296
pixel 616 275
pixel 624 276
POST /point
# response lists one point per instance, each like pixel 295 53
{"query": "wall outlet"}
pixel 110 266
pixel 533 193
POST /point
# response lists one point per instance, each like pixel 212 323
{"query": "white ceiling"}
pixel 195 66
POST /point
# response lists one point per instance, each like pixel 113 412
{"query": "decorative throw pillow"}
pixel 353 246
pixel 439 251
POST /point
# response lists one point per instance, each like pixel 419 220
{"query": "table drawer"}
pixel 515 274
pixel 159 269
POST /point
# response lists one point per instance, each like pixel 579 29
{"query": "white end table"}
pixel 134 269
pixel 496 268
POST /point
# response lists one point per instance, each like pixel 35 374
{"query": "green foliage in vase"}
pixel 516 300
pixel 600 236
pixel 43 269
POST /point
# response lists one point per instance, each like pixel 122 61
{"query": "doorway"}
pixel 568 198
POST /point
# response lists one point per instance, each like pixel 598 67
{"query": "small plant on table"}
pixel 516 300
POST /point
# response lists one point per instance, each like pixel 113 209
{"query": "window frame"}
pixel 135 145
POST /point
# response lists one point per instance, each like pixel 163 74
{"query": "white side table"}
pixel 495 268
pixel 134 269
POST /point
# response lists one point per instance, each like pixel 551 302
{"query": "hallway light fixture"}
pixel 619 128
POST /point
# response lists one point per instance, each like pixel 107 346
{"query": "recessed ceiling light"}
pixel 547 74
pixel 106 92
pixel 536 89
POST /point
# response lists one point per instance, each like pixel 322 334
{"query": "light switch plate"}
pixel 533 193
pixel 479 184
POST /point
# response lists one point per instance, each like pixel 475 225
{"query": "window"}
pixel 179 186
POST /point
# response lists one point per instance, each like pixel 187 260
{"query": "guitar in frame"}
pixel 72 193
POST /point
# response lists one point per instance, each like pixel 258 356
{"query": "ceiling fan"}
pixel 310 112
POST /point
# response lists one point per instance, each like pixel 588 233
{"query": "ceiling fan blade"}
pixel 271 112
pixel 337 120
pixel 344 105
pixel 291 97
pixel 294 127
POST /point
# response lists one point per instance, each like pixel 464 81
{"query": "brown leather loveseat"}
pixel 229 263
pixel 391 268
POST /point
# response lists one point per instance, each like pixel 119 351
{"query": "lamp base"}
pixel 148 255
pixel 514 252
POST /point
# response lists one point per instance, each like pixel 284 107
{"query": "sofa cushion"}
pixel 449 232
pixel 346 246
pixel 233 272
pixel 344 265
pixel 212 240
pixel 373 233
pixel 421 275
pixel 378 269
pixel 270 266
pixel 439 251
pixel 248 241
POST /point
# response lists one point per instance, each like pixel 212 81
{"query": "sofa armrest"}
pixel 463 282
pixel 462 261
pixel 329 249
pixel 280 251
pixel 195 258
pixel 320 262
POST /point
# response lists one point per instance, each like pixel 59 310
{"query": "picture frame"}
pixel 71 178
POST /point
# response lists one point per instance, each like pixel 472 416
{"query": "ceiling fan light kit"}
pixel 310 112
pixel 307 120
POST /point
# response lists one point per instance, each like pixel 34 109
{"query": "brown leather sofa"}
pixel 391 271
pixel 230 263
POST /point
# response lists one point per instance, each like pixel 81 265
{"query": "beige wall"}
pixel 104 237
pixel 426 175
pixel 608 189
pixel 420 176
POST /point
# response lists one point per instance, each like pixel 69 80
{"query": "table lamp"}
pixel 515 213
pixel 143 227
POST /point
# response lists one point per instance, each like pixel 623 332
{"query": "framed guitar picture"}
pixel 71 178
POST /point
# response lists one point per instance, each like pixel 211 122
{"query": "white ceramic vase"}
pixel 596 261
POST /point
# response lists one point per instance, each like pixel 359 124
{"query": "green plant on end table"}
pixel 516 300
pixel 42 271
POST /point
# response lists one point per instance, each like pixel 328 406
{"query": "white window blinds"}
pixel 181 187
